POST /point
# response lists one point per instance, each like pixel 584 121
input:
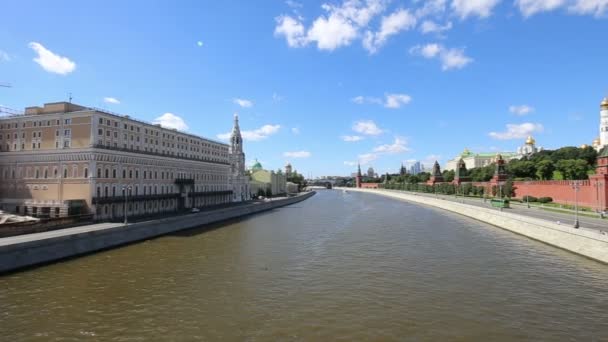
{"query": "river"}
pixel 346 266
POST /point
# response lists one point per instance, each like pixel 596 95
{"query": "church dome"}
pixel 584 146
pixel 596 142
pixel 604 104
pixel 466 152
pixel 256 166
pixel 530 140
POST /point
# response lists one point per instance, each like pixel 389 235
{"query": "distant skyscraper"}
pixel 416 168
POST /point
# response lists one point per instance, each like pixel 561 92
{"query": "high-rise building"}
pixel 65 159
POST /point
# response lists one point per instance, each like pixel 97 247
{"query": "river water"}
pixel 345 266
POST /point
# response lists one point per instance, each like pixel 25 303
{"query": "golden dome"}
pixel 596 142
pixel 584 146
pixel 530 140
pixel 604 104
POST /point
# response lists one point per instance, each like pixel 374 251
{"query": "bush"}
pixel 531 199
pixel 545 199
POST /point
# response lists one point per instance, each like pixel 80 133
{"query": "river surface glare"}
pixel 346 266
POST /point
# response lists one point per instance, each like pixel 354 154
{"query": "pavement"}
pixel 565 218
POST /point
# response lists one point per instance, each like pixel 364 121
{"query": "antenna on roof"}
pixel 70 97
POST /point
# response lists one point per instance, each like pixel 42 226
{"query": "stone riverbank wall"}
pixel 586 242
pixel 32 249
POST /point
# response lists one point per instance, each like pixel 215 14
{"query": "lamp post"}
pixel 125 190
pixel 598 185
pixel 576 187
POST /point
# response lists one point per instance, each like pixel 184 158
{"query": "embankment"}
pixel 27 250
pixel 586 242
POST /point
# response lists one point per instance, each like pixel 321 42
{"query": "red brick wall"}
pixel 562 192
pixel 369 185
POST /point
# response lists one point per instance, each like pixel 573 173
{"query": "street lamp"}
pixel 598 185
pixel 125 190
pixel 576 187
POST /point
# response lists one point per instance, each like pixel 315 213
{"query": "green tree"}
pixel 448 176
pixel 544 169
pixel 522 168
pixel 573 169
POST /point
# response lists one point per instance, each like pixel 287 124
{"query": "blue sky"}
pixel 323 84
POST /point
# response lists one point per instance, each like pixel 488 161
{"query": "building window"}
pixel 98 173
pixel 67 132
pixel 65 173
pixel 124 173
pixel 100 131
pixel 66 143
pixel 86 172
pixel 107 173
pixel 67 121
pixel 114 173
pixel 46 173
pixel 101 121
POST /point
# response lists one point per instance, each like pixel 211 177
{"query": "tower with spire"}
pixel 603 124
pixel 239 180
pixel 358 178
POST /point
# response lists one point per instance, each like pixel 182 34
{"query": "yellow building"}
pixel 266 180
pixel 65 159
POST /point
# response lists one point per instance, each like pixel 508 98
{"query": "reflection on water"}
pixel 336 266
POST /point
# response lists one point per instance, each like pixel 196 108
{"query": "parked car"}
pixel 195 210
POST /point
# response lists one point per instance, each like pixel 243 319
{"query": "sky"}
pixel 327 84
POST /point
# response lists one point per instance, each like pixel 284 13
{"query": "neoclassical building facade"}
pixel 65 159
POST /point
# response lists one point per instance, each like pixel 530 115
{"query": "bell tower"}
pixel 603 123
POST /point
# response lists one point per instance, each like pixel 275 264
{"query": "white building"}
pixel 529 148
pixel 473 160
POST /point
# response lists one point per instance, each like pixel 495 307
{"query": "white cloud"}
pixel 431 7
pixel 351 138
pixel 367 158
pixel 366 100
pixel 398 146
pixel 400 20
pixel 297 154
pixel 170 120
pixel 276 98
pixel 517 131
pixel 342 24
pixel 332 32
pixel 111 100
pixel 595 7
pixel 254 135
pixel 390 100
pixel 199 43
pixel 295 130
pixel 52 62
pixel 531 7
pixel 367 127
pixel 471 8
pixel 397 100
pixel 429 26
pixel 4 57
pixel 243 102
pixel 451 58
pixel 521 110
pixel 292 29
pixel 293 4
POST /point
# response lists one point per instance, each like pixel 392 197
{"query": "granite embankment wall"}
pixel 28 250
pixel 589 243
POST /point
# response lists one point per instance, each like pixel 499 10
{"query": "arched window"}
pixel 107 173
pixel 105 192
pixel 130 173
pixel 37 173
pixel 99 173
pixel 86 172
pixel 114 173
pixel 124 173
pixel 46 173
pixel 65 172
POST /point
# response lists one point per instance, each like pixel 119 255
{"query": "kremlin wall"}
pixel 592 193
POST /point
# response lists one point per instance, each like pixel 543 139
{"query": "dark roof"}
pixel 603 152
